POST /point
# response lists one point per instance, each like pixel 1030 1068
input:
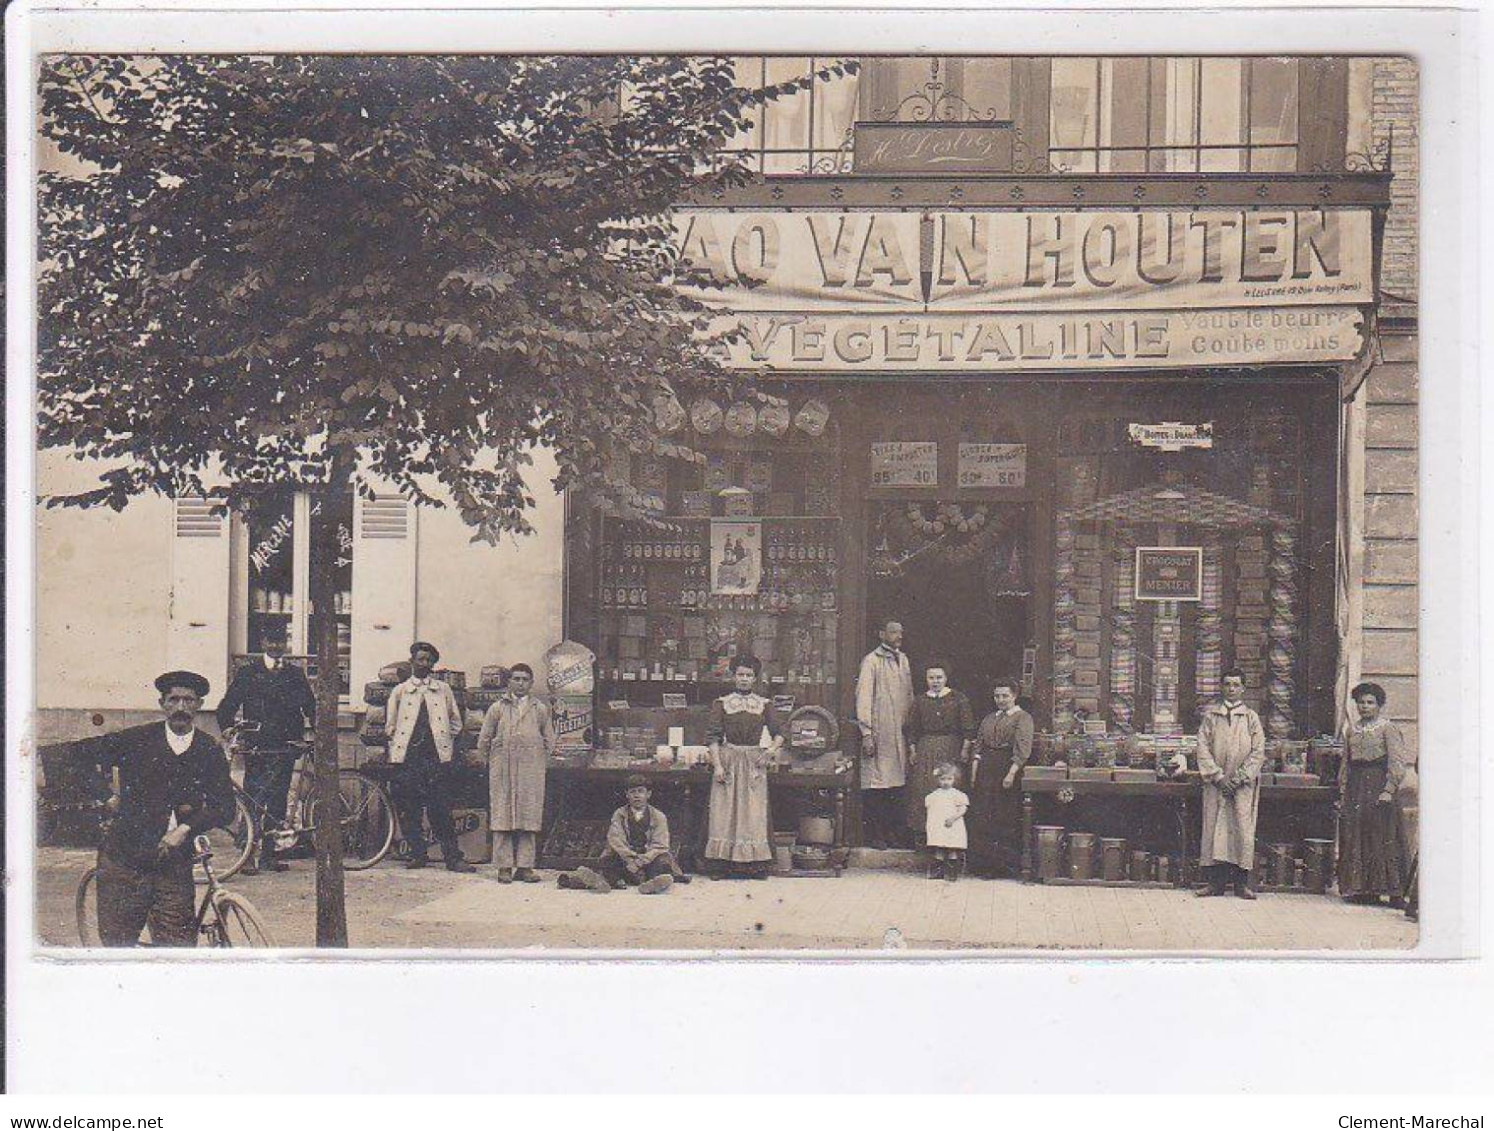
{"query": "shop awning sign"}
pixel 1150 339
pixel 1039 260
pixel 1172 435
pixel 992 465
pixel 1169 573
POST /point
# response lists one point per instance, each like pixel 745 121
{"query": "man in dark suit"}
pixel 173 784
pixel 276 698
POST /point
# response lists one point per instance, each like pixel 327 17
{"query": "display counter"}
pixel 581 796
pixel 1302 816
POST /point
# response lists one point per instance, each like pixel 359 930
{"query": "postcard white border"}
pixel 735 1025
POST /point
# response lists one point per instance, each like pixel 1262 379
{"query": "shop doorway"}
pixel 959 578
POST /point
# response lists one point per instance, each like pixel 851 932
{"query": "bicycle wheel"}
pixel 367 820
pixel 86 903
pixel 232 845
pixel 238 923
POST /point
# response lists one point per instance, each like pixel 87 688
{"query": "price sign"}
pixel 993 465
pixel 902 463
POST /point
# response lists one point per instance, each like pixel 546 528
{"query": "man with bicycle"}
pixel 277 704
pixel 173 784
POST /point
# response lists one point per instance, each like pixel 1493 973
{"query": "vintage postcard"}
pixel 719 502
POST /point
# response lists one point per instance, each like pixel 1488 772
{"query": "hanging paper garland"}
pixel 741 419
pixel 705 416
pixel 774 419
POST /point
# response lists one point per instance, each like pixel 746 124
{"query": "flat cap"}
pixel 191 680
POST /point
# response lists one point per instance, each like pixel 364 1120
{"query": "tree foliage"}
pixel 291 271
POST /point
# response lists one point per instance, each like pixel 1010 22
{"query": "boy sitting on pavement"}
pixel 637 851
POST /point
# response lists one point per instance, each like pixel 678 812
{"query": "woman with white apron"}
pixel 737 841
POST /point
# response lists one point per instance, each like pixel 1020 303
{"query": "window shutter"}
pixel 383 585
pixel 197 635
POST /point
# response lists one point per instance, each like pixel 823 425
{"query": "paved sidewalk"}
pixel 392 907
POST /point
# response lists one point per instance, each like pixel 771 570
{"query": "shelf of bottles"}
pixel 664 629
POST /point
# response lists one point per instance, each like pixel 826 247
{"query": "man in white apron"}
pixel 884 700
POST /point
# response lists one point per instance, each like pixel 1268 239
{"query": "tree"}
pixel 310 273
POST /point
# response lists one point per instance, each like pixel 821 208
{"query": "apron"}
pixel 738 827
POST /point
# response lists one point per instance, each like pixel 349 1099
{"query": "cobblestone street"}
pixel 862 909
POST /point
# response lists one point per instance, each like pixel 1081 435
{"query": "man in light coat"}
pixel 1231 751
pixel 518 737
pixel 884 701
pixel 424 721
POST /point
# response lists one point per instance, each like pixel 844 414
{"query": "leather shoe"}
pixel 527 876
pixel 1205 893
pixel 1242 891
pixel 460 865
pixel 505 876
pixel 271 864
pixel 417 862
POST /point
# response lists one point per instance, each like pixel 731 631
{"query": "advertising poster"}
pixel 736 557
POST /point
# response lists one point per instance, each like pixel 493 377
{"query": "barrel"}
pixel 1050 851
pixel 1082 856
pixel 1112 859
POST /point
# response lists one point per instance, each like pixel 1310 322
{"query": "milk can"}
pixel 1082 856
pixel 1050 851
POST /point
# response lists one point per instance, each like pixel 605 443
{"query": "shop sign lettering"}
pixel 905 464
pixel 995 342
pixel 1169 573
pixel 997 261
pixel 992 465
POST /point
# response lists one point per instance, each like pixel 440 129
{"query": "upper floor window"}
pixel 1160 115
pixel 807 132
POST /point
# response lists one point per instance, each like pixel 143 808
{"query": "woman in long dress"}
pixel 940 729
pixel 737 841
pixel 1369 857
pixel 1002 747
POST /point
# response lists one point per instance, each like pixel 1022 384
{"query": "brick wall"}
pixel 1393 109
pixel 1389 619
pixel 1388 529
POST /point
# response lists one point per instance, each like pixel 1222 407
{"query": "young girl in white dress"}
pixel 945 825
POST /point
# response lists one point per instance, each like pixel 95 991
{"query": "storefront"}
pixel 1091 448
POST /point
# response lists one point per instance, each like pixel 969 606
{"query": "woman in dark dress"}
pixel 940 729
pixel 737 841
pixel 1370 858
pixel 1002 746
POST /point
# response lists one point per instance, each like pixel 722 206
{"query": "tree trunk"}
pixel 331 908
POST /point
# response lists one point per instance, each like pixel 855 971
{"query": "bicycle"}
pixel 367 811
pixel 225 918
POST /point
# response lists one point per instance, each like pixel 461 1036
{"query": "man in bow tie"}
pixel 277 704
pixel 1231 751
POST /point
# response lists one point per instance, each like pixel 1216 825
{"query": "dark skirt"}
pixel 932 749
pixel 995 820
pixel 1369 857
